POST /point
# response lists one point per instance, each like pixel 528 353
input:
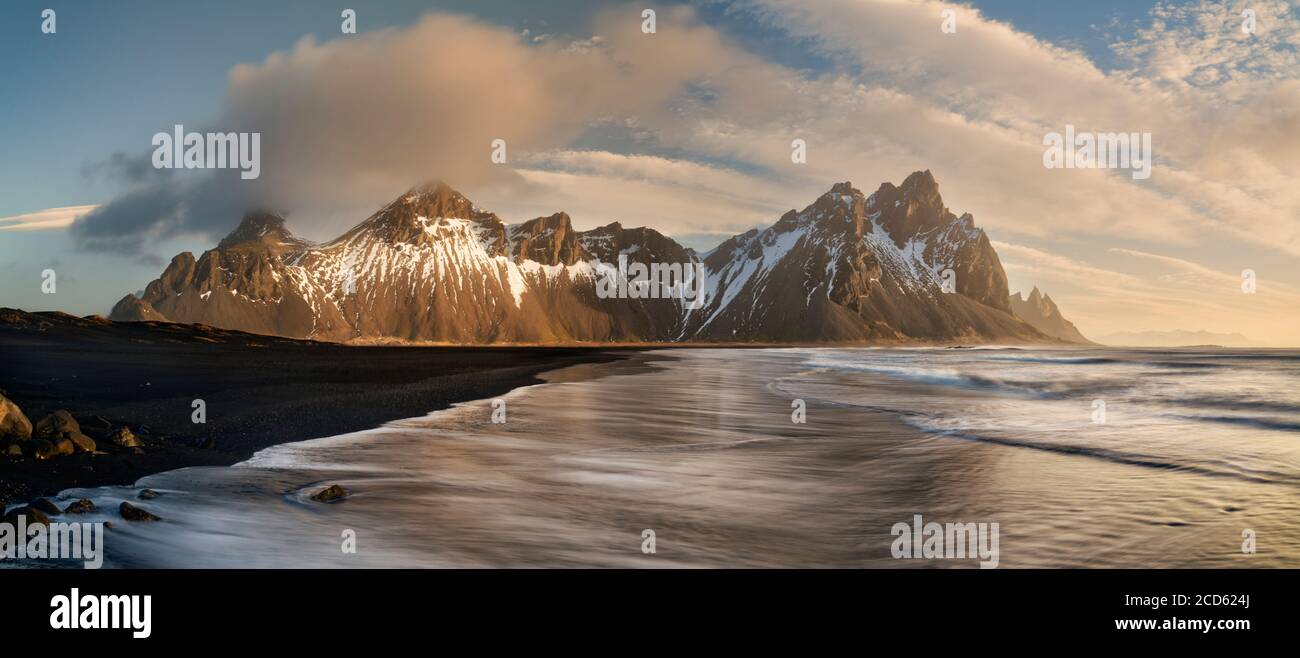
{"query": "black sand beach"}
pixel 258 390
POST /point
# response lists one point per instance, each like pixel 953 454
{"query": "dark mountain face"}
pixel 1040 311
pixel 432 266
pixel 915 212
pixel 546 240
pixel 851 268
pixel 262 230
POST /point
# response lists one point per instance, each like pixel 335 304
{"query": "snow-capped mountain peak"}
pixel 431 265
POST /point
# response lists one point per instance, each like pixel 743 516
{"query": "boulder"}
pixel 40 449
pixel 64 446
pixel 82 442
pixel 330 494
pixel 46 505
pixel 55 424
pixel 14 450
pixel 132 513
pixel 34 516
pixel 123 438
pixel 13 423
pixel 83 506
pixel 147 494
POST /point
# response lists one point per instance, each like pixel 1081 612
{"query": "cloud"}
pixel 1015 255
pixel 349 124
pixel 1151 291
pixel 50 218
pixel 1201 48
pixel 674 196
pixel 1190 273
pixel 974 106
pixel 687 132
pixel 120 224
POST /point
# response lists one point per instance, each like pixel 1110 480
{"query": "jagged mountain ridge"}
pixel 839 269
pixel 1040 311
pixel 432 266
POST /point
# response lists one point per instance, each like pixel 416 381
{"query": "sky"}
pixel 686 130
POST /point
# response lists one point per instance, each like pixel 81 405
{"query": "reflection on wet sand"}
pixel 698 446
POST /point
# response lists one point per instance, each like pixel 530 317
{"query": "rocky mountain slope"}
pixel 1040 311
pixel 432 266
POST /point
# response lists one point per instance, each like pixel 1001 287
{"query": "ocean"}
pixel 1081 457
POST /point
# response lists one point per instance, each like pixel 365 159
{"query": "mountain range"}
pixel 1040 311
pixel 1177 338
pixel 892 266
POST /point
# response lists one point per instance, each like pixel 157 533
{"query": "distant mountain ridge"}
pixel 1176 338
pixel 1040 311
pixel 433 266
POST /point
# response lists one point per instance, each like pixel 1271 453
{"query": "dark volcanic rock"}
pixel 122 437
pixel 82 506
pixel 46 505
pixel 132 513
pixel 40 449
pixel 64 446
pixel 55 424
pixel 13 423
pixel 82 442
pixel 330 494
pixel 33 515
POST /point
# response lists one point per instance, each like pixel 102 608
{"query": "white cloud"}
pixel 1143 290
pixel 41 220
pixel 671 195
pixel 348 123
pixel 1201 48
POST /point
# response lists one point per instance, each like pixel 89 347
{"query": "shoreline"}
pixel 258 391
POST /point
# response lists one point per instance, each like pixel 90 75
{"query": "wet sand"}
pixel 259 391
pixel 699 447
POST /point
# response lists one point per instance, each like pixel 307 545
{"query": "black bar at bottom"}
pixel 209 608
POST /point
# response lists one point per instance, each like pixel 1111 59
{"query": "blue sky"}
pixel 701 158
pixel 116 73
